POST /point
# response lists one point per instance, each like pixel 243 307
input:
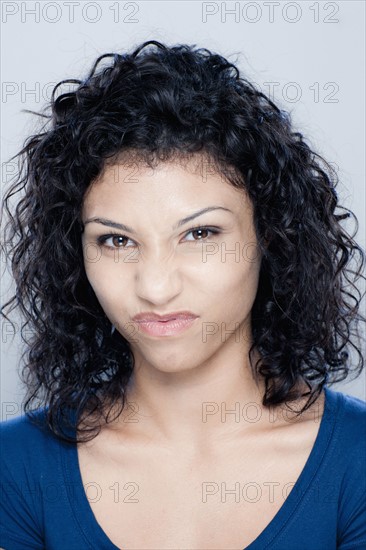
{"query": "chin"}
pixel 168 362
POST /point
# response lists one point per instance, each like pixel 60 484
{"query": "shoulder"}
pixel 32 425
pixel 19 432
pixel 350 413
pixel 347 443
pixel 350 433
pixel 352 405
pixel 28 443
pixel 347 416
pixel 348 466
pixel 22 423
pixel 24 454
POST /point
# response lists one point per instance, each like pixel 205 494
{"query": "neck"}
pixel 195 407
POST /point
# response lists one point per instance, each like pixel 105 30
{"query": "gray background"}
pixel 307 56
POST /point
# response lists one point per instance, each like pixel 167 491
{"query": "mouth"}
pixel 169 327
pixel 146 317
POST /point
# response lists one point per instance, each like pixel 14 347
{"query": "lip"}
pixel 147 316
pixel 169 324
pixel 166 328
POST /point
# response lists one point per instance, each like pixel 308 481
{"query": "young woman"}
pixel 179 257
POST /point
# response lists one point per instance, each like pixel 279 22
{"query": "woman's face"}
pixel 160 265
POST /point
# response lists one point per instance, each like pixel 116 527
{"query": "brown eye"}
pixel 202 232
pixel 118 241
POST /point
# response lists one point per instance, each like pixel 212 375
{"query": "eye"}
pixel 103 238
pixel 202 229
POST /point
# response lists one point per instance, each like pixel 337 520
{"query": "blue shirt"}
pixel 44 505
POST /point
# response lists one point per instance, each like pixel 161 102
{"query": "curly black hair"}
pixel 161 103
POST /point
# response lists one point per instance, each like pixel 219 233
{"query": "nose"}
pixel 157 281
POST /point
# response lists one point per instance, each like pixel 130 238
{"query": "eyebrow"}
pixel 181 222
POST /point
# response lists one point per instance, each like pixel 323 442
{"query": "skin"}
pixel 175 376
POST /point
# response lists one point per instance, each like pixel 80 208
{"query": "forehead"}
pixel 182 178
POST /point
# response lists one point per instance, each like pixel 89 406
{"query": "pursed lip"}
pixel 146 317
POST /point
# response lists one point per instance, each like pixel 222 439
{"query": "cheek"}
pixel 233 273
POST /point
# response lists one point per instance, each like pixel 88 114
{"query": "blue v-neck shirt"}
pixel 44 505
